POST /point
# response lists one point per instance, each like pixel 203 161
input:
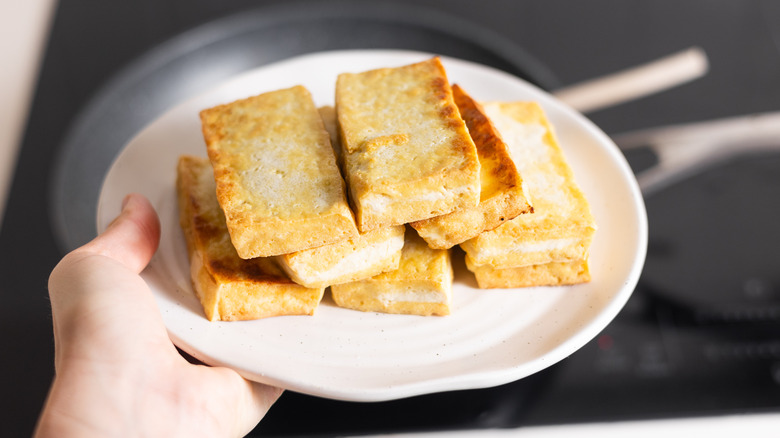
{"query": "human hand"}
pixel 117 372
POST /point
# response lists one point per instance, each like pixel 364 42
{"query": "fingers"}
pixel 260 399
pixel 132 237
pixel 263 397
pixel 236 404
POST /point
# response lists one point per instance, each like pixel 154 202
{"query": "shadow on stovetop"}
pixel 499 407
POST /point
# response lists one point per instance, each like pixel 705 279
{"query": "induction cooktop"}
pixel 700 335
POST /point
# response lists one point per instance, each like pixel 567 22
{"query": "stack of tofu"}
pixel 369 197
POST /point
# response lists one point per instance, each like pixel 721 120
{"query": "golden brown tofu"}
pixel 276 173
pixel 561 227
pixel 352 259
pixel 422 284
pixel 547 274
pixel 229 287
pixel 328 114
pixel 501 197
pixel 407 153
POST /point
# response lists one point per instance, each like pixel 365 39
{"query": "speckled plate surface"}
pixel 492 337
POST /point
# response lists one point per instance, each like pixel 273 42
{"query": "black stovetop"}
pixel 700 335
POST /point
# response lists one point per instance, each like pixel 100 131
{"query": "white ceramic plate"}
pixel 492 336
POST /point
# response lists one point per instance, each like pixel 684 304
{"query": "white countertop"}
pixel 753 426
pixel 28 20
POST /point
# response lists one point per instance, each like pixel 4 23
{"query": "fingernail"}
pixel 125 201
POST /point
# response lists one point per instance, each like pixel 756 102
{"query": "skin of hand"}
pixel 117 372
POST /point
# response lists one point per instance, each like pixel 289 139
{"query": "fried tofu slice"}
pixel 546 274
pixel 328 114
pixel 352 259
pixel 277 178
pixel 561 227
pixel 502 196
pixel 422 284
pixel 229 287
pixel 407 153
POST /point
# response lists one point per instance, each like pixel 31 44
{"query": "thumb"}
pixel 132 237
pixel 128 243
pixel 101 276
